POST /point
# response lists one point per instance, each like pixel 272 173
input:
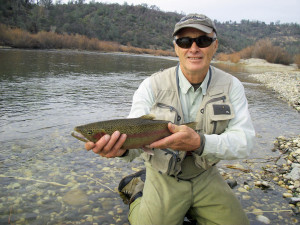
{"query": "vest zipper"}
pixel 174 160
pixel 162 105
pixel 213 100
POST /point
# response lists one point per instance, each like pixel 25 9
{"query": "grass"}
pixel 18 38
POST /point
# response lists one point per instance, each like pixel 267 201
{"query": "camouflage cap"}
pixel 198 21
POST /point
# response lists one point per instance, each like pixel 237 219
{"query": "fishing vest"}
pixel 213 116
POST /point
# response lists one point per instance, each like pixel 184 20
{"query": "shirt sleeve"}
pixel 142 102
pixel 238 139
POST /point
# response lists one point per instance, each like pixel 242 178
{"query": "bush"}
pixel 246 53
pixel 233 57
pixel 297 60
pixel 264 49
pixel 49 40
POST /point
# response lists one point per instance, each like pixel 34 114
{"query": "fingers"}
pixel 108 146
pixel 183 139
pixel 114 150
pixel 174 128
pixel 89 145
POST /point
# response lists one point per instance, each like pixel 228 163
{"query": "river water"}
pixel 47 177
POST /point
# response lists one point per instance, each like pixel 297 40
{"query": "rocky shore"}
pixel 285 84
pixel 284 80
pixel 269 188
pixel 271 184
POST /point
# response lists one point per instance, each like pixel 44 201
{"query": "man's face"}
pixel 195 61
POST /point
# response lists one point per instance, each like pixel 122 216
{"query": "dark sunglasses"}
pixel 201 41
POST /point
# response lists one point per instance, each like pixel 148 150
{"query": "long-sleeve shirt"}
pixel 237 140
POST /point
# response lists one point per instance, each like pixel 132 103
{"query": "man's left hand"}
pixel 182 138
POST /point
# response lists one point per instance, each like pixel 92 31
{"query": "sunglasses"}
pixel 201 41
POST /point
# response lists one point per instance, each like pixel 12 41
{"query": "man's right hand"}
pixel 108 146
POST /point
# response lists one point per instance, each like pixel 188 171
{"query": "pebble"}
pixel 75 197
pixel 295 200
pixel 287 195
pixel 246 197
pixel 232 183
pixel 263 219
pixel 257 212
pixel 240 189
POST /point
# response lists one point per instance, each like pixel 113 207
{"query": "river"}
pixel 47 177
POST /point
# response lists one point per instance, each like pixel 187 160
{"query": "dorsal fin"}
pixel 148 117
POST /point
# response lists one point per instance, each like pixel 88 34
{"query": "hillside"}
pixel 139 26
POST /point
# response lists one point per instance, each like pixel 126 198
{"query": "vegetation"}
pixel 263 49
pixel 42 24
pixel 49 40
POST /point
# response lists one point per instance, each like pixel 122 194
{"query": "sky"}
pixel 284 11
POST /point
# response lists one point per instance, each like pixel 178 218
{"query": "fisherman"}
pixel 181 176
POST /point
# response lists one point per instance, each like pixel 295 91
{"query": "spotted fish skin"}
pixel 140 131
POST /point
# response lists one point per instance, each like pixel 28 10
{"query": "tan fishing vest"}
pixel 213 116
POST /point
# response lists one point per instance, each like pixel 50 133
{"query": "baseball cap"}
pixel 198 21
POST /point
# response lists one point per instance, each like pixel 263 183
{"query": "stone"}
pixel 263 219
pixel 294 200
pixel 240 189
pixel 294 174
pixel 75 197
pixel 287 195
pixel 265 184
pixel 257 183
pixel 231 183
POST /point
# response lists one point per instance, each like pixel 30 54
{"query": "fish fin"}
pixel 191 125
pixel 149 151
pixel 148 117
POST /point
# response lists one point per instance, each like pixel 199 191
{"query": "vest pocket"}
pixel 218 116
pixel 164 161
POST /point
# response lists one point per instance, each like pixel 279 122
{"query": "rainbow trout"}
pixel 140 131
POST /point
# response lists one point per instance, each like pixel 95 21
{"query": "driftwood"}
pixel 30 179
pixel 238 168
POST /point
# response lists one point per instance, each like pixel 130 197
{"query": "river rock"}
pixel 232 183
pixel 294 200
pixel 263 219
pixel 294 174
pixel 287 195
pixel 75 197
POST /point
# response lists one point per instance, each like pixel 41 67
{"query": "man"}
pixel 181 176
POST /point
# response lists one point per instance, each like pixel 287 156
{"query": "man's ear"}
pixel 175 48
pixel 216 45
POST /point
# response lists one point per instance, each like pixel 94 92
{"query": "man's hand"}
pixel 183 138
pixel 108 146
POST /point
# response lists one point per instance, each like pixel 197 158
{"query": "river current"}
pixel 47 177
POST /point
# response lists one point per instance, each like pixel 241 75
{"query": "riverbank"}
pixel 271 194
pixel 283 80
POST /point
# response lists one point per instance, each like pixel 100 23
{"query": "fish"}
pixel 140 131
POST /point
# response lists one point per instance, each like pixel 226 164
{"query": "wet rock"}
pixel 263 219
pixel 294 174
pixel 257 212
pixel 232 183
pixel 246 197
pixel 240 189
pixel 287 195
pixel 265 184
pixel 75 197
pixel 294 200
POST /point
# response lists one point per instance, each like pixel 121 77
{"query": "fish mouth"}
pixel 79 136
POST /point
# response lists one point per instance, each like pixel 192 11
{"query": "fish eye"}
pixel 89 132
